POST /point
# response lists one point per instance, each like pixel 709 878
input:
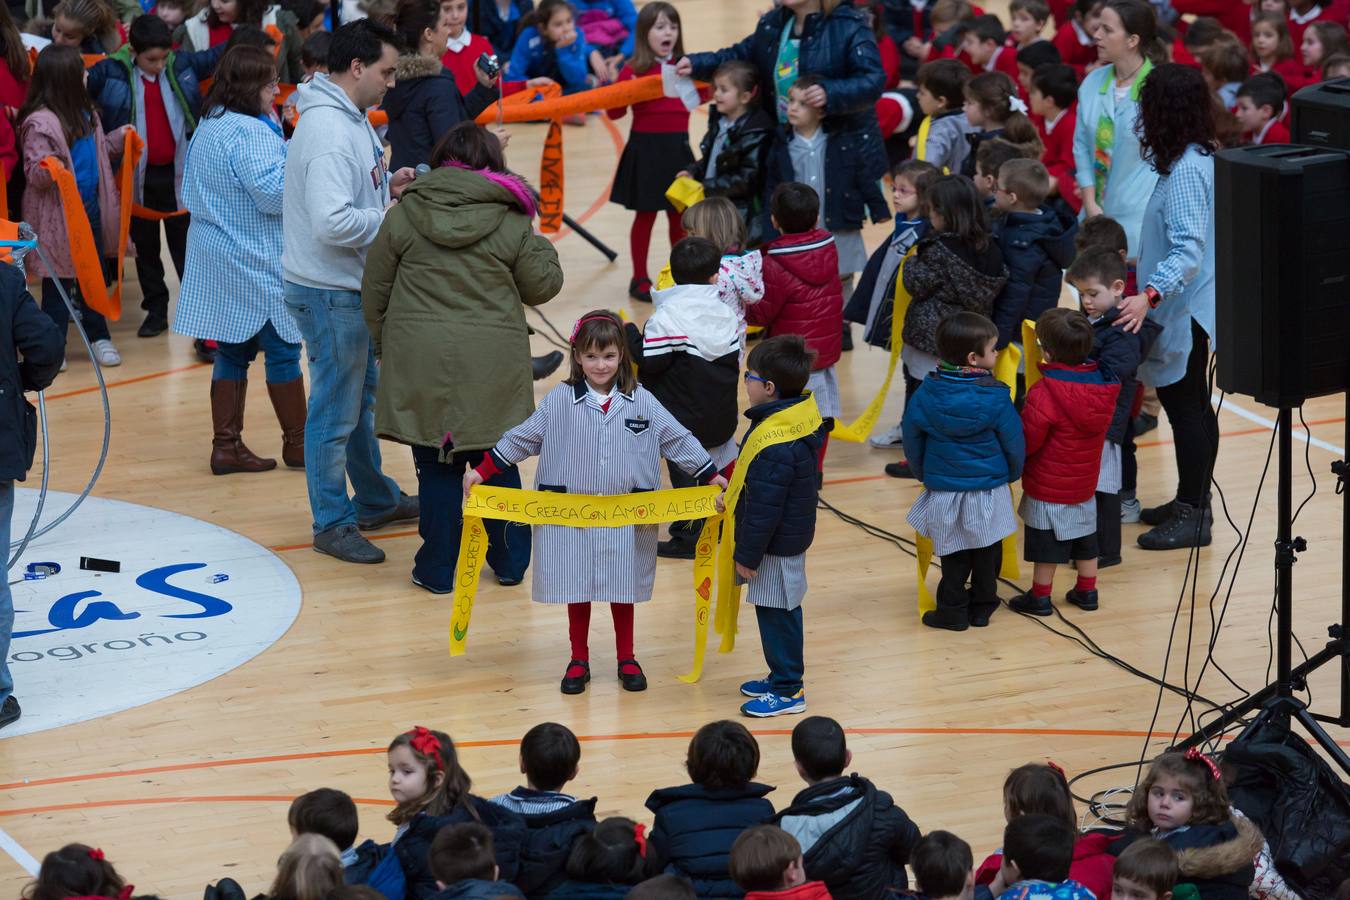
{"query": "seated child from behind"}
pixel 464 864
pixel 332 813
pixel 766 862
pixel 802 291
pixel 943 867
pixel 1037 852
pixel 1147 870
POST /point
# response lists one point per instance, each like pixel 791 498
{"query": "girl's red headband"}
pixel 576 329
pixel 427 744
pixel 1194 754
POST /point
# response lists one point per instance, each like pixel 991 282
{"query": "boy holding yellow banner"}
pixel 775 524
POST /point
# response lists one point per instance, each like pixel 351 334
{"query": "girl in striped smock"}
pixel 598 432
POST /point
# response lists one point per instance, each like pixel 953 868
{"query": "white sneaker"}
pixel 106 353
pixel 890 440
pixel 1129 511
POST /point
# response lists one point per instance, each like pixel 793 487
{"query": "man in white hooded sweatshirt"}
pixel 337 190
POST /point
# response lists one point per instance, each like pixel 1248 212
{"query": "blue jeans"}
pixel 282 358
pixel 780 634
pixel 6 597
pixel 441 489
pixel 340 437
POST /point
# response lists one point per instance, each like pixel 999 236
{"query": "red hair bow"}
pixel 96 854
pixel 576 329
pixel 1057 769
pixel 640 836
pixel 126 892
pixel 427 744
pixel 1194 754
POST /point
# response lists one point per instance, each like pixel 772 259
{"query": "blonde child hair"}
pixel 716 219
pixel 309 869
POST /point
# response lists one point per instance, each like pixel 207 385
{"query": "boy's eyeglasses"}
pixel 751 376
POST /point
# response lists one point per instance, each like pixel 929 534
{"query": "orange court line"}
pixel 157 801
pixel 125 381
pixel 511 742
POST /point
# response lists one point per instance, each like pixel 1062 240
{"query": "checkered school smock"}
pixel 963 520
pixel 582 450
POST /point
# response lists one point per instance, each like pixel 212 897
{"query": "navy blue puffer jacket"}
pixel 777 510
pixel 1037 248
pixel 695 828
pixel 548 841
pixel 961 432
pixel 838 48
pixel 508 834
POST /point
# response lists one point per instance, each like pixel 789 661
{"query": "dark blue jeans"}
pixel 781 636
pixel 440 487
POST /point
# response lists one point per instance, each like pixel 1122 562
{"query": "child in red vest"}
pixel 766 862
pixel 802 291
pixel 1065 419
pixel 1260 101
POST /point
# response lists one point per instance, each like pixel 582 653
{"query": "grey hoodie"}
pixel 337 187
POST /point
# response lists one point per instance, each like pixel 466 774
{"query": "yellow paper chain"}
pixel 860 428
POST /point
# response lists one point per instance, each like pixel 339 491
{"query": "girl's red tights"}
pixel 640 239
pixel 579 626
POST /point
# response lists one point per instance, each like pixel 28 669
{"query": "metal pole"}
pixel 1284 558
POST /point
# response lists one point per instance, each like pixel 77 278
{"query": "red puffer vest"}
pixel 802 293
pixel 1065 418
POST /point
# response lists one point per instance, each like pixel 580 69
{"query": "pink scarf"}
pixel 516 185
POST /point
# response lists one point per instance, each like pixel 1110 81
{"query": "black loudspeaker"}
pixel 1282 233
pixel 1322 115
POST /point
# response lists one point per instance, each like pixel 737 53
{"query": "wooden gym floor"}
pixel 194 787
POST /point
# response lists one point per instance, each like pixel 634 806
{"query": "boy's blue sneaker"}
pixel 774 705
pixel 757 688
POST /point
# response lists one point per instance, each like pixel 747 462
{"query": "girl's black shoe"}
pixel 640 289
pixel 632 680
pixel 575 678
pixel 1084 600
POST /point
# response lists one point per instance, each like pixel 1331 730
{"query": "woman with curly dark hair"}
pixel 1176 267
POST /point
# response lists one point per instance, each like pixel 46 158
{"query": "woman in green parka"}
pixel 444 291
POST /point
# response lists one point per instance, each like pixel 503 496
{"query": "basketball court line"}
pixel 16 852
pixel 1230 406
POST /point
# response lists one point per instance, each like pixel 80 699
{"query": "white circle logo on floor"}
pixel 191 601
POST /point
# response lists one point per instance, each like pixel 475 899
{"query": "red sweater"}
pixel 1064 419
pixel 1072 50
pixel 12 90
pixel 1277 133
pixel 812 890
pixel 660 116
pixel 460 63
pixel 1058 154
pixel 1091 867
pixel 1296 29
pixel 1236 17
pixel 1004 60
pixel 1293 73
pixel 802 293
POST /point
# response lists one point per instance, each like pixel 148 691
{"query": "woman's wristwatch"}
pixel 1154 296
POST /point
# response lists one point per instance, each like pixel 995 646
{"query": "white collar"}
pixel 993 60
pixel 1307 16
pixel 153 79
pixel 1051 123
pixel 1084 39
pixel 1261 135
pixel 461 43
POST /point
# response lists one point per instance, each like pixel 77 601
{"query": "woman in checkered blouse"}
pixel 232 290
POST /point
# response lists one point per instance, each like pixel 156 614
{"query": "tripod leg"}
pixel 590 238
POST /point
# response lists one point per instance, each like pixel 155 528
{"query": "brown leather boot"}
pixel 288 399
pixel 228 453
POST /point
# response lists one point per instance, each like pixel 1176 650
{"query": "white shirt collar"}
pixel 1051 123
pixel 153 79
pixel 460 43
pixel 993 60
pixel 1084 38
pixel 1261 135
pixel 1307 17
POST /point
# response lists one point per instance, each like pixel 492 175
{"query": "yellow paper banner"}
pixel 1031 351
pixel 860 428
pixel 712 559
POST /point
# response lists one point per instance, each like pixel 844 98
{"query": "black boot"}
pixel 1156 515
pixel 1189 526
pixel 544 366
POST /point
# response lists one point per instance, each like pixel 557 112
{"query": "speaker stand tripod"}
pixel 1277 701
